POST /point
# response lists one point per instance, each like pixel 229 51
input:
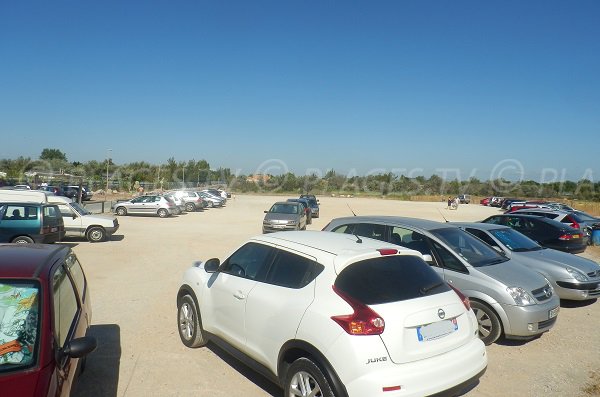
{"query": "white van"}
pixel 78 221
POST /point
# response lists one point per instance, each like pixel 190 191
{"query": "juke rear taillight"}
pixel 364 320
pixel 462 297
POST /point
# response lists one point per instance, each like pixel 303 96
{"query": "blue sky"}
pixel 462 88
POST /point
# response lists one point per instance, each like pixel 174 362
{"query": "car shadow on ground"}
pixel 269 387
pixel 69 244
pixel 575 304
pixel 117 237
pixel 516 342
pixel 101 375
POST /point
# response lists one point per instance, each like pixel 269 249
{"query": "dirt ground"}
pixel 135 277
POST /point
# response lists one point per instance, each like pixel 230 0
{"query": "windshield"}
pixel 19 324
pixel 79 208
pixel 471 249
pixel 515 241
pixel 284 209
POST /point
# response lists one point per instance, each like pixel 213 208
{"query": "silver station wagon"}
pixel 507 298
pixel 150 204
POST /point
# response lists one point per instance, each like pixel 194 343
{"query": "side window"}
pixel 77 274
pixel 402 236
pixel 20 212
pixel 448 260
pixel 137 200
pixel 347 229
pixel 65 211
pixel 250 261
pixel 412 240
pixel 51 211
pixel 482 236
pixel 65 305
pixel 292 271
pixel 496 220
pixel 371 230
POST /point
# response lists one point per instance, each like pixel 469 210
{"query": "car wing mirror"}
pixel 428 258
pixel 212 265
pixel 79 347
pixel 266 212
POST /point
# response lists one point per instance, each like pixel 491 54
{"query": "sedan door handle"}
pixel 239 295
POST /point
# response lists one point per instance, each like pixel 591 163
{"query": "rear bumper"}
pixel 442 375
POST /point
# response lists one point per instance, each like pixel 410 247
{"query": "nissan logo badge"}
pixel 441 313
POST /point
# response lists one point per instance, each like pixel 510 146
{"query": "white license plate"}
pixel 433 331
pixel 554 312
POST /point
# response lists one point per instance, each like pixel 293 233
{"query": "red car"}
pixel 485 201
pixel 45 313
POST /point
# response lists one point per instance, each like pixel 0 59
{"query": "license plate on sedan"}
pixel 433 331
pixel 554 312
pixel 576 236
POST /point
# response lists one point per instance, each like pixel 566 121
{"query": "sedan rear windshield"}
pixel 390 279
pixel 19 324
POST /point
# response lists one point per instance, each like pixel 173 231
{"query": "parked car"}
pixel 179 203
pixel 72 192
pixel 547 232
pixel 218 193
pixel 464 198
pixel 57 190
pixel 147 205
pixel 193 200
pixel 211 199
pixel 505 202
pixel 322 314
pixel 569 218
pixel 496 201
pixel 485 201
pixel 507 298
pixel 22 222
pixel 284 216
pixel 45 315
pixel 78 222
pixel 573 277
pixel 22 187
pixel 306 206
pixel 314 204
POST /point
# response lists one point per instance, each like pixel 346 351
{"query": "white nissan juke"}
pixel 327 314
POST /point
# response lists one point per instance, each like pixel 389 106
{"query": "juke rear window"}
pixel 390 279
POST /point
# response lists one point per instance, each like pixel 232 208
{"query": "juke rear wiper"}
pixel 429 287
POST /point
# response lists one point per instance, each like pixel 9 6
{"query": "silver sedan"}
pixel 573 277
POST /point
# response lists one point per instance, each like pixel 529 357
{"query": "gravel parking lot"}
pixel 135 277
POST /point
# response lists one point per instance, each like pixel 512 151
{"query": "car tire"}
pixel 121 211
pixel 163 213
pixel 189 323
pixel 190 207
pixel 95 234
pixel 488 322
pixel 305 378
pixel 211 204
pixel 22 240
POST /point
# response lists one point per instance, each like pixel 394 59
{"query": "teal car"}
pixel 30 223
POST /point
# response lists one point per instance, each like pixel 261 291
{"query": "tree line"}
pixel 193 173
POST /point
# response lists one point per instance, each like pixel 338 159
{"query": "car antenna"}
pixel 442 215
pixel 351 210
pixel 358 239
